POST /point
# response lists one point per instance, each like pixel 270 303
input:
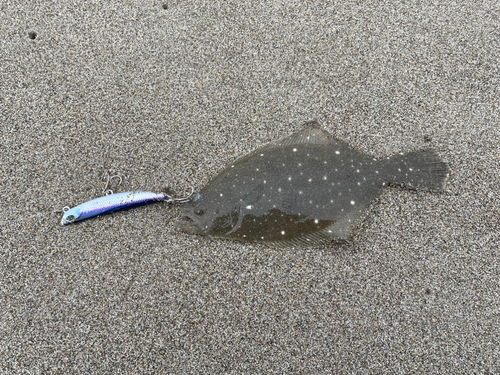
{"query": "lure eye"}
pixel 70 218
pixel 199 212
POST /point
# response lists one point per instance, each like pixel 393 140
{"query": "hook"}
pixel 107 191
pixel 181 200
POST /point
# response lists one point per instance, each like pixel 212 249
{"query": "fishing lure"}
pixel 114 202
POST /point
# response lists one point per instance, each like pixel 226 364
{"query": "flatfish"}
pixel 301 190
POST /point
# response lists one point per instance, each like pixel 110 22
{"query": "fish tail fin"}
pixel 420 169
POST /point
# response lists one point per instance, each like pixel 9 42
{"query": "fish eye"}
pixel 70 218
pixel 199 212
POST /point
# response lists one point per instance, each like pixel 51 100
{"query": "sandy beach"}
pixel 167 93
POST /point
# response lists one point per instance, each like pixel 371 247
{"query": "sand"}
pixel 167 93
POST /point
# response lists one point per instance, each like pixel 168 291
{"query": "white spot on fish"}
pixel 337 152
pixel 352 202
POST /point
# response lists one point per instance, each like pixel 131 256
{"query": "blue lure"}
pixel 112 203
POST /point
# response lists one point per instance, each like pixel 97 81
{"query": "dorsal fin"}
pixel 310 135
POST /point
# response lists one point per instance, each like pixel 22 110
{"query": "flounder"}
pixel 301 190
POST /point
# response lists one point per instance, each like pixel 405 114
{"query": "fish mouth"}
pixel 187 224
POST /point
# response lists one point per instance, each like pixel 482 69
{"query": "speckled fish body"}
pixel 111 203
pixel 301 190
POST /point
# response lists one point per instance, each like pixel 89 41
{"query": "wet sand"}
pixel 166 96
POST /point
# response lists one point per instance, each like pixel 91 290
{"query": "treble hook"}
pixel 181 200
pixel 107 191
